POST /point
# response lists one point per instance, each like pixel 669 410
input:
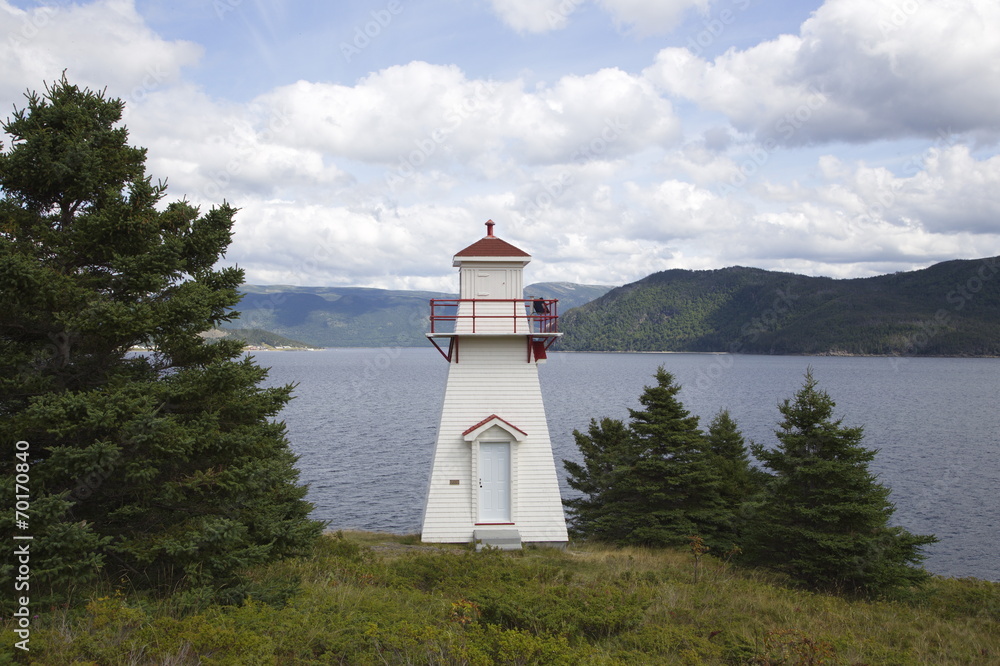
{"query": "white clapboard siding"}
pixel 493 376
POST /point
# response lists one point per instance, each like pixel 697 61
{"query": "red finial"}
pixel 489 227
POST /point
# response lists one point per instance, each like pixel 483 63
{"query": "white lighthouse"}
pixel 493 479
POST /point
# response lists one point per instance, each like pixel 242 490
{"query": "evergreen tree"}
pixel 166 469
pixel 673 472
pixel 739 478
pixel 740 482
pixel 652 483
pixel 608 453
pixel 826 518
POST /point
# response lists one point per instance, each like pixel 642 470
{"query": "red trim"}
pixel 522 311
pixel 490 418
pixel 494 523
pixel 492 246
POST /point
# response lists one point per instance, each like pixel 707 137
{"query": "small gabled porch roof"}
pixel 473 433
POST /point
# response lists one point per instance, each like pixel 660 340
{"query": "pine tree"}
pixel 608 454
pixel 826 518
pixel 740 482
pixel 674 472
pixel 739 477
pixel 652 483
pixel 166 469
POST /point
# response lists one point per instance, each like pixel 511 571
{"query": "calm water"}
pixel 364 422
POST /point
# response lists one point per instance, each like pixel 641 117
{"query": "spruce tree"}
pixel 652 483
pixel 739 479
pixel 608 454
pixel 826 517
pixel 673 472
pixel 165 469
pixel 740 483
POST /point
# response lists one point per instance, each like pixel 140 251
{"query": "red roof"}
pixel 491 246
pixel 490 418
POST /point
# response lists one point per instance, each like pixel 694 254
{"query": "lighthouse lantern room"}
pixel 493 479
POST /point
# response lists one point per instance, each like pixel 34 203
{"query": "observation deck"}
pixel 535 319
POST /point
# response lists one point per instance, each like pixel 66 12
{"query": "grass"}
pixel 366 598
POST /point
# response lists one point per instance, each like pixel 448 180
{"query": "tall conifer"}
pixel 166 469
pixel 673 472
pixel 652 483
pixel 826 518
pixel 608 455
pixel 740 483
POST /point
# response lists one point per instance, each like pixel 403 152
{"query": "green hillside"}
pixel 951 308
pixel 362 317
pixel 256 337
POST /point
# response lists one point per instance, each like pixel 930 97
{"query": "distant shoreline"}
pixel 616 351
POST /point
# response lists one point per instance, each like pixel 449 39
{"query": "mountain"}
pixel 255 337
pixel 362 317
pixel 570 295
pixel 950 309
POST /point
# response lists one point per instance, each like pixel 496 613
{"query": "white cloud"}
pixel 638 16
pixel 602 115
pixel 410 120
pixel 371 245
pixel 104 43
pixel 588 172
pixel 211 150
pixel 390 113
pixel 859 70
pixel 647 18
pixel 535 15
pixel 947 191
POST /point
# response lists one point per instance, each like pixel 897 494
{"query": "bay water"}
pixel 363 423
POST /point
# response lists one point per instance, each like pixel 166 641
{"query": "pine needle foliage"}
pixel 741 484
pixel 166 469
pixel 650 483
pixel 825 520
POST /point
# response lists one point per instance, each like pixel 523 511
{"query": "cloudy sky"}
pixel 366 142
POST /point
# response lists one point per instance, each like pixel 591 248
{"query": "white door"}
pixel 491 283
pixel 494 482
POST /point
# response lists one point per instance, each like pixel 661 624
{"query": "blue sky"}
pixel 367 142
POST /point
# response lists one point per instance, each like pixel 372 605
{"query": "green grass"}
pixel 365 598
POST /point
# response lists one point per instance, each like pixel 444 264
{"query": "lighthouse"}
pixel 493 479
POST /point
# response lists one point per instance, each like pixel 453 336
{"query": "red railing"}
pixel 534 316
